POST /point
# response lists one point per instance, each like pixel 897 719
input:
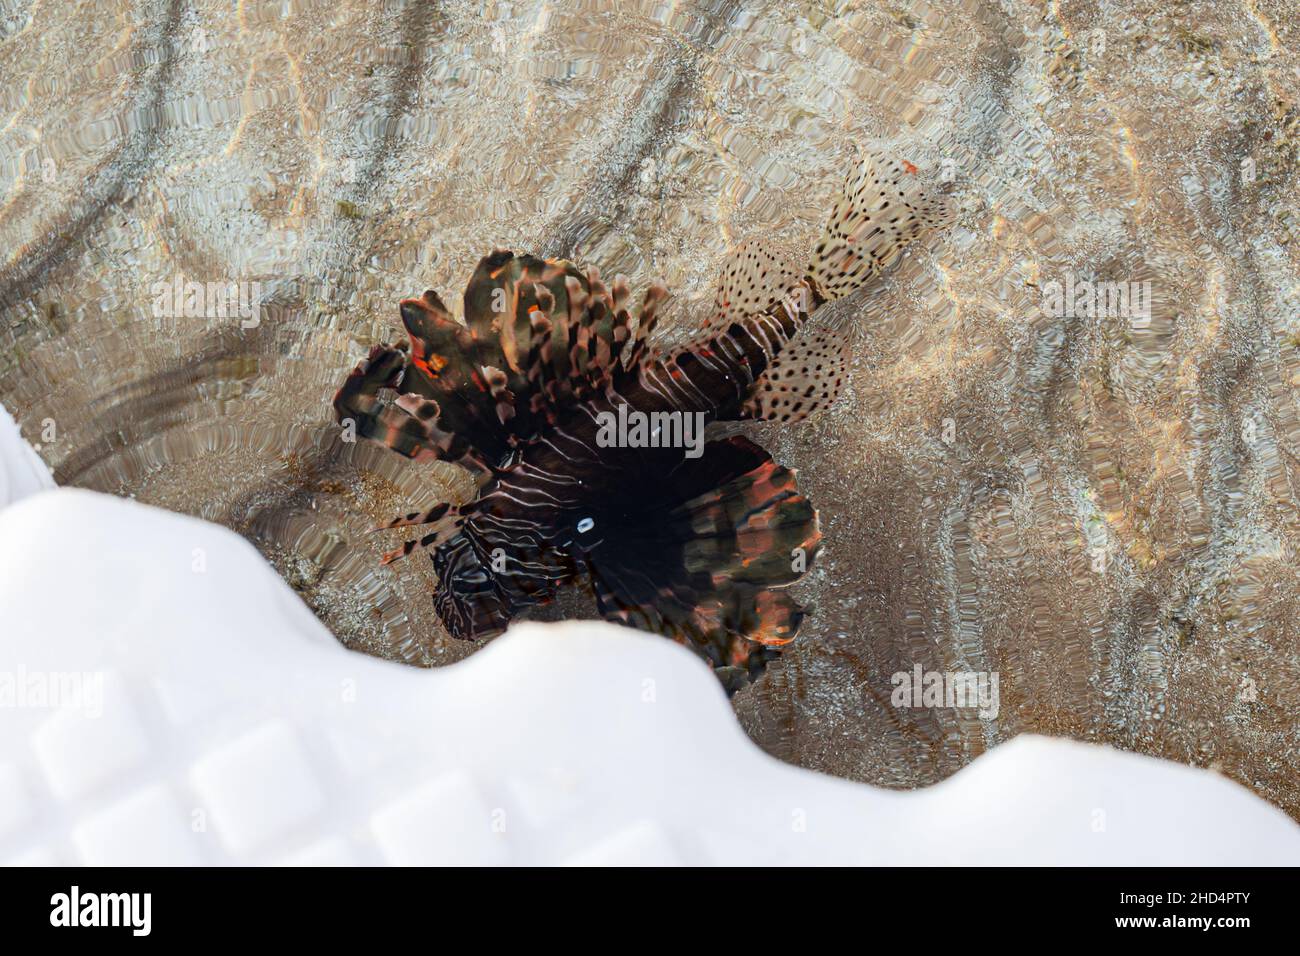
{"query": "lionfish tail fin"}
pixel 756 275
pixel 806 377
pixel 884 208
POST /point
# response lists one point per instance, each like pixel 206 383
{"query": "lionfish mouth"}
pixel 701 546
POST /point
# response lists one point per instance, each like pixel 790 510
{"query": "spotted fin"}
pixel 755 276
pixel 884 208
pixel 804 378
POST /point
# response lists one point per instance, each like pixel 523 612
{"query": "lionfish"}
pixel 699 549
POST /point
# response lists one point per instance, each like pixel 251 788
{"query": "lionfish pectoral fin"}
pixel 807 376
pixel 711 572
pixel 358 404
pixel 885 207
pixel 443 409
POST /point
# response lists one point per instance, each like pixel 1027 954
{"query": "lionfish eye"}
pixel 585 525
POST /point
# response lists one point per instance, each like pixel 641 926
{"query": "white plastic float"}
pixel 166 709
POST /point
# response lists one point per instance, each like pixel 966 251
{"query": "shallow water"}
pixel 1101 511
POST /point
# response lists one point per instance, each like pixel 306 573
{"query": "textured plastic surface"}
pixel 205 716
pixel 22 472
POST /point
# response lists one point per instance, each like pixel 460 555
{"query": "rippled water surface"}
pixel 1103 512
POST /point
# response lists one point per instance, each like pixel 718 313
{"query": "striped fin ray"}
pixel 418 517
pixel 647 319
pixel 446 519
pixel 603 331
pixel 409 427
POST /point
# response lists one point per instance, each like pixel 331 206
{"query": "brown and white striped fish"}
pixel 700 549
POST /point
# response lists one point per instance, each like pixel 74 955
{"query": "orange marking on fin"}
pixel 909 167
pixel 430 364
